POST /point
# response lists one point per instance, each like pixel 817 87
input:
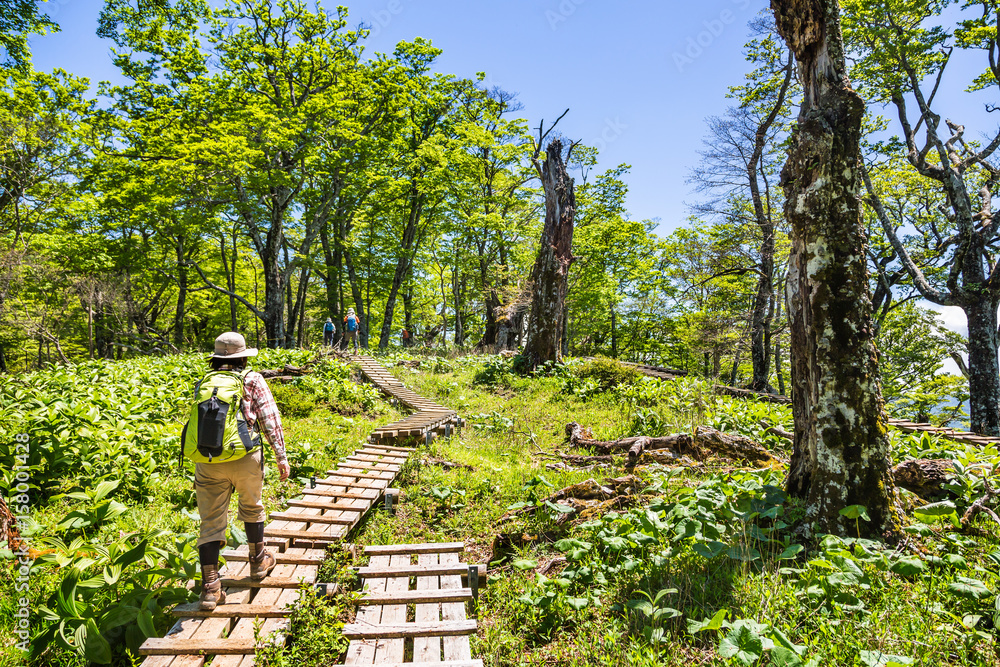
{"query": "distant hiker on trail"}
pixel 351 326
pixel 328 332
pixel 406 337
pixel 224 442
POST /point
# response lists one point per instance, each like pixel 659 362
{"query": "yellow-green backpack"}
pixel 216 431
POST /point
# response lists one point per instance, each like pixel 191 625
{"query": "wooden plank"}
pixel 403 630
pixel 392 649
pixel 230 611
pixel 304 534
pixel 427 649
pixel 372 494
pixel 198 647
pixel 318 518
pixel 436 663
pixel 266 582
pixel 360 652
pixel 336 475
pixel 245 628
pixel 455 648
pixel 182 629
pixel 455 568
pixel 370 465
pixel 420 596
pixel 428 548
pixel 281 558
pixel 323 505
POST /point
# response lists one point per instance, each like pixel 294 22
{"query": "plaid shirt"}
pixel 258 404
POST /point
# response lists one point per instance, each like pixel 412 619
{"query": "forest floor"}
pixel 688 562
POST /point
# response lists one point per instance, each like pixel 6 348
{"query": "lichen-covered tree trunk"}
pixel 549 277
pixel 840 455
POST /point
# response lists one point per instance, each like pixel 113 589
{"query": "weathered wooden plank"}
pixel 198 646
pixel 360 652
pixel 421 570
pixel 281 558
pixel 319 518
pixel 305 534
pixel 364 630
pixel 392 649
pixel 427 649
pixel 230 611
pixel 419 596
pixel 455 648
pixel 371 494
pixel 428 548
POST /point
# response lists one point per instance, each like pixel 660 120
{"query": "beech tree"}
pixel 841 450
pixel 903 55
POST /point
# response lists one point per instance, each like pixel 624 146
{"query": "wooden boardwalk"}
pixel 428 418
pixel 327 512
pixel 432 587
pixel 964 437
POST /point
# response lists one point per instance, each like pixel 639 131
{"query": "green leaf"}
pixel 642 606
pixel 879 659
pixel 743 644
pixel 784 657
pixel 791 551
pixel 96 647
pixel 145 619
pixel 714 623
pixel 117 616
pixel 943 508
pixel 525 564
pixel 578 603
pixel 972 589
pixel 855 512
pixel 908 567
pixel 709 549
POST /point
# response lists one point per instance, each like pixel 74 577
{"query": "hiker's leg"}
pixel 249 480
pixel 213 489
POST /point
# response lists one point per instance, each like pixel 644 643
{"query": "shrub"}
pixel 292 401
pixel 608 373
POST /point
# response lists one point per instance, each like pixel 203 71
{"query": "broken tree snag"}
pixel 840 455
pixel 548 281
pixel 924 477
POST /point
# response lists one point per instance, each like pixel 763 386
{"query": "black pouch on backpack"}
pixel 211 426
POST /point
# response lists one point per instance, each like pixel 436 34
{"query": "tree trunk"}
pixel 841 451
pixel 407 250
pixel 274 302
pixel 182 289
pixel 555 254
pixel 359 300
pixel 984 373
pixel 614 334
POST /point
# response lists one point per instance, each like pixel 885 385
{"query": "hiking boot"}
pixel 212 594
pixel 261 561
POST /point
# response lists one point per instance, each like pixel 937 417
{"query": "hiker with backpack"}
pixel 232 406
pixel 328 332
pixel 351 326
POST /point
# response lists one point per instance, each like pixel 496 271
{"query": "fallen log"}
pixel 924 477
pixel 704 443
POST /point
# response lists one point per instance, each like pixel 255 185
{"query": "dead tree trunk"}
pixel 551 271
pixel 840 456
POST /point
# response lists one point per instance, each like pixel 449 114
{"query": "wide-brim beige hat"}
pixel 232 345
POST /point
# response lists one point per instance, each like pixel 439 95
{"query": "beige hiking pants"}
pixel 214 484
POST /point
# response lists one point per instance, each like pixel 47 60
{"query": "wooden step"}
pixel 417 597
pixel 403 630
pixel 357 475
pixel 281 558
pixel 318 518
pixel 192 610
pixel 304 535
pixel 266 582
pixel 368 465
pixel 165 646
pixel 443 663
pixel 322 505
pixel 373 494
pixel 419 570
pixel 429 548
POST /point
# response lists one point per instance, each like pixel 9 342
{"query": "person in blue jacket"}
pixel 328 329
